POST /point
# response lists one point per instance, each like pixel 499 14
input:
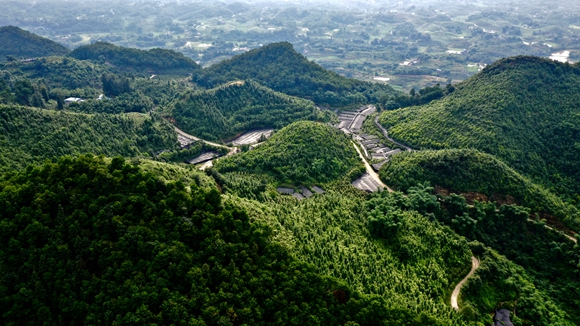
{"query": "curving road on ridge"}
pixel 386 134
pixel 232 151
pixel 455 295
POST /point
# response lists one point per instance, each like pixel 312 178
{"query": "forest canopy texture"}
pixel 237 107
pixel 31 135
pixel 303 152
pixel 154 60
pixel 87 241
pixel 523 110
pixel 280 67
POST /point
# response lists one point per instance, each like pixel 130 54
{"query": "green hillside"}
pixel 84 241
pixel 281 68
pixel 523 110
pixel 487 182
pixel 303 152
pixel 61 72
pixel 227 110
pixel 481 175
pixel 30 135
pixel 156 60
pixel 390 244
pixel 19 43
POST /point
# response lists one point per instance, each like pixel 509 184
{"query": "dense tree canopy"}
pixel 30 135
pixel 281 68
pixel 228 110
pixel 481 175
pixel 89 242
pixel 524 110
pixel 303 152
pixel 154 60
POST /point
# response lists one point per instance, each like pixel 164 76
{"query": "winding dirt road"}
pixel 457 290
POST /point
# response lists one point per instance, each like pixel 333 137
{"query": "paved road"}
pixel 457 290
pixel 370 170
pixel 386 134
pixel 180 132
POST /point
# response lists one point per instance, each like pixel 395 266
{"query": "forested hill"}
pixel 281 68
pixel 87 241
pixel 524 110
pixel 30 135
pixel 480 176
pixel 303 152
pixel 19 43
pixel 227 110
pixel 151 61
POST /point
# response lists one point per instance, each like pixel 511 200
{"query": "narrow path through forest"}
pixel 571 238
pixel 386 134
pixel 454 296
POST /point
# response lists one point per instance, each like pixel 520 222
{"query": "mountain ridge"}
pixel 280 67
pixel 523 110
pixel 20 43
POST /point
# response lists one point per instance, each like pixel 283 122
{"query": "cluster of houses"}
pixel 351 123
pixel 375 150
pixel 71 100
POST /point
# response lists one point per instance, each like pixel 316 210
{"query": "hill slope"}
pixel 30 135
pixel 477 175
pixel 523 110
pixel 84 241
pixel 23 44
pixel 303 152
pixel 281 68
pixel 227 110
pixel 149 61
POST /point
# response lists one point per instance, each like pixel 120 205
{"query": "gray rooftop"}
pixel 285 191
pixel 318 190
pixel 502 318
pixel 306 192
pixel 298 196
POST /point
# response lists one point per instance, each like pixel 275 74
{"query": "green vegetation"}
pixel 523 110
pixel 30 135
pixel 498 283
pixel 279 67
pixel 506 230
pixel 303 152
pixel 228 110
pixel 481 175
pixel 18 43
pixel 331 232
pixel 389 245
pixel 423 96
pixel 60 72
pixel 152 61
pixel 89 242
